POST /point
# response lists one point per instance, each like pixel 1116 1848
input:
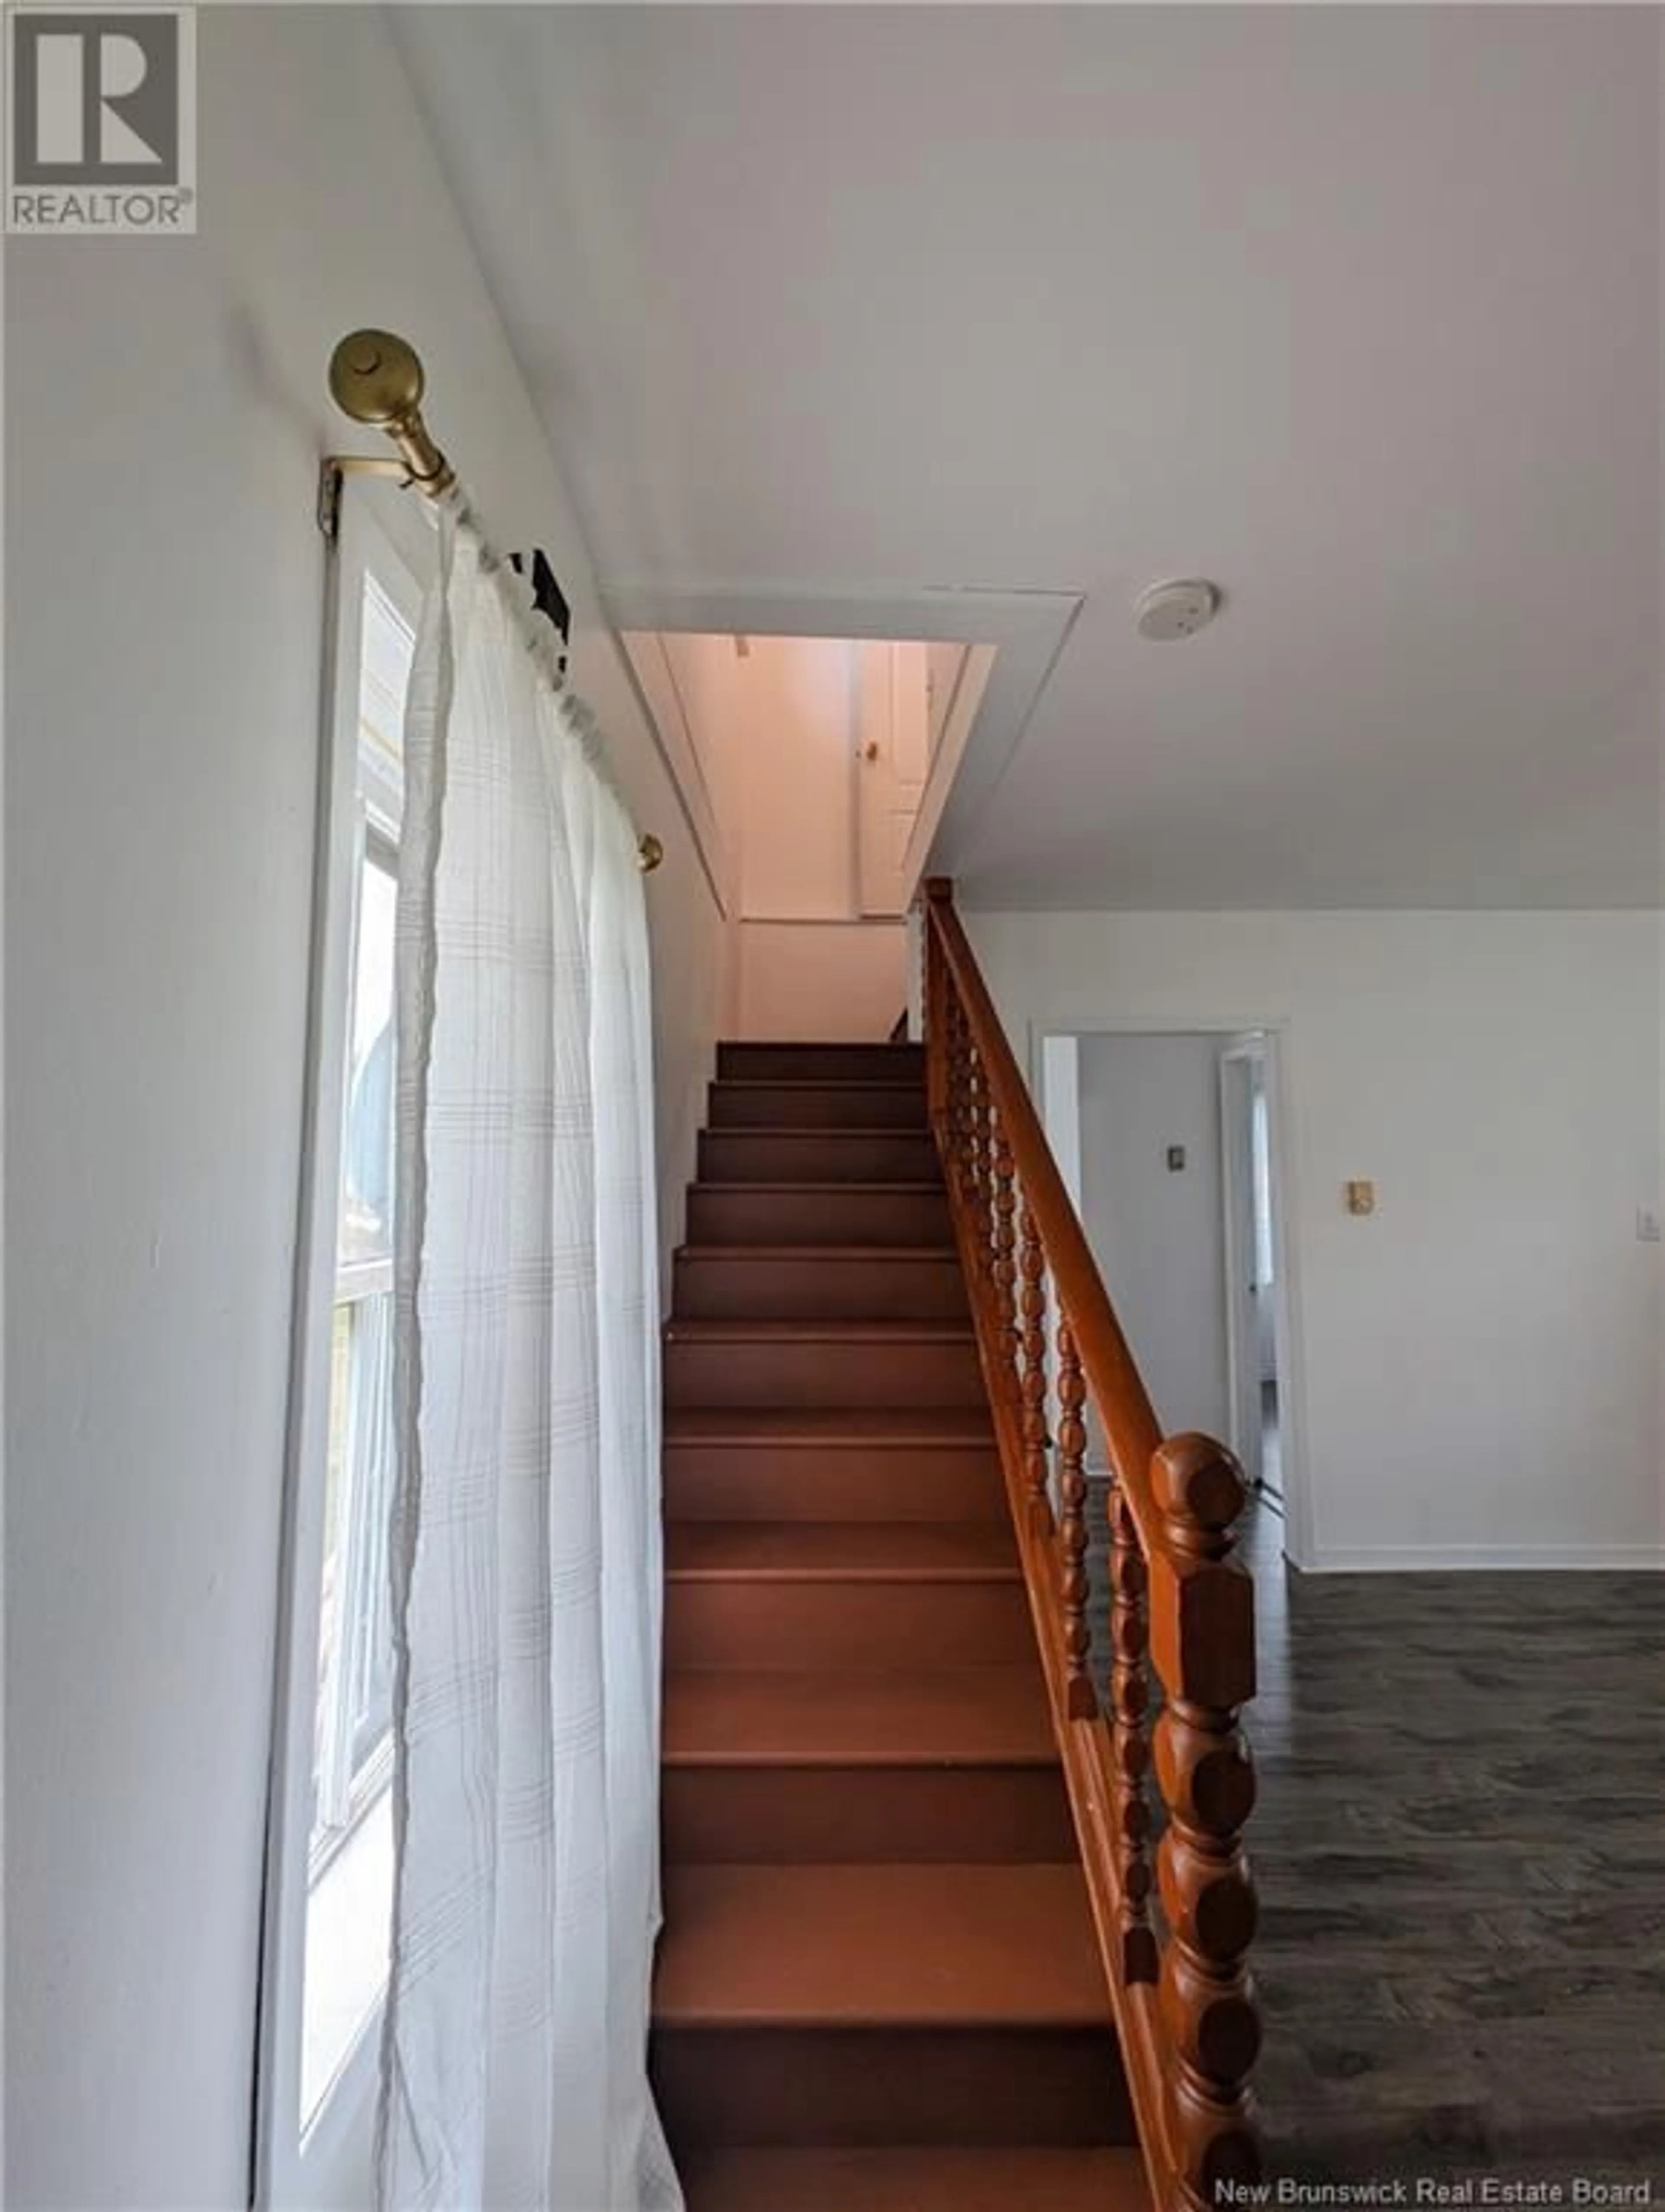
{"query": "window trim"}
pixel 326 2161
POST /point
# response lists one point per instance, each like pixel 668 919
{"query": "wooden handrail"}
pixel 1180 1606
pixel 1113 1377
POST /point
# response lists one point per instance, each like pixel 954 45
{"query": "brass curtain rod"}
pixel 376 378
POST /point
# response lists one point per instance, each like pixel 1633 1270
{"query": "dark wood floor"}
pixel 1460 1849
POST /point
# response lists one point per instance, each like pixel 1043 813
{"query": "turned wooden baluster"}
pixel 1006 1265
pixel 1202 1629
pixel 976 1162
pixel 959 1079
pixel 1032 1307
pixel 937 1048
pixel 1130 1746
pixel 1079 1701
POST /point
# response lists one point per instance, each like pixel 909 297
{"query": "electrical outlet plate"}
pixel 1647 1225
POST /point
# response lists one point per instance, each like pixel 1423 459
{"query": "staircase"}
pixel 879 1988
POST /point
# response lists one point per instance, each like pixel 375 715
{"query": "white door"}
pixel 1242 1078
pixel 893 757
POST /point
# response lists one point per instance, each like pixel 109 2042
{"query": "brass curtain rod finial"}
pixel 376 378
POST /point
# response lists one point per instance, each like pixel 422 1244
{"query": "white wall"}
pixel 1478 1363
pixel 772 741
pixel 809 967
pixel 706 672
pixel 1159 1237
pixel 821 980
pixel 793 747
pixel 164 415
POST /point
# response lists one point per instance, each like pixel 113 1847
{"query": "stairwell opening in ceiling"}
pixel 814 771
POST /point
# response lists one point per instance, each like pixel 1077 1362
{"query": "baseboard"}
pixel 1434 1558
pixel 1467 1559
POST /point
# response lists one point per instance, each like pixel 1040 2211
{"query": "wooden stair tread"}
pixel 768 1153
pixel 886 1255
pixel 834 1132
pixel 853 1428
pixel 879 1947
pixel 901 1081
pixel 886 1189
pixel 841 1551
pixel 904 1048
pixel 763 1330
pixel 948 1717
pixel 925 2178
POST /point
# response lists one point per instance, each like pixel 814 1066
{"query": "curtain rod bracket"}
pixel 334 468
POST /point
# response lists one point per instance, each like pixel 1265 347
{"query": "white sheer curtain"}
pixel 526 1540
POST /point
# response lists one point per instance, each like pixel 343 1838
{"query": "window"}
pixel 332 1840
pixel 350 1846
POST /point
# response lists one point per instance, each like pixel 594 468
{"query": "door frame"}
pixel 1275 1032
pixel 1243 1056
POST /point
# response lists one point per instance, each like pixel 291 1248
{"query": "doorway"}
pixel 813 771
pixel 1169 1139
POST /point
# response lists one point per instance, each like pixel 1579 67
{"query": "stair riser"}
pixel 971 2086
pixel 912 2178
pixel 786 1623
pixel 792 1106
pixel 816 1482
pixel 821 1063
pixel 816 1156
pixel 873 1814
pixel 899 1287
pixel 872 1374
pixel 810 1216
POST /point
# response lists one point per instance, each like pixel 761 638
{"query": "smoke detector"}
pixel 1170 612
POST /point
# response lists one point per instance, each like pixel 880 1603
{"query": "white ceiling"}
pixel 1355 310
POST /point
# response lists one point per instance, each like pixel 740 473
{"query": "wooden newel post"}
pixel 1202 1643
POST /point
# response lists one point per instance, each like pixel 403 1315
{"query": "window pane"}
pixel 346 1965
pixel 366 1180
pixel 384 672
pixel 355 1644
pixel 335 1490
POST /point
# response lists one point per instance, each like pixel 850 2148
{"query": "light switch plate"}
pixel 1647 1225
pixel 1361 1197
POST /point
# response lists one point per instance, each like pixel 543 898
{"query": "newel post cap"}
pixel 1199 1484
pixel 1202 1603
